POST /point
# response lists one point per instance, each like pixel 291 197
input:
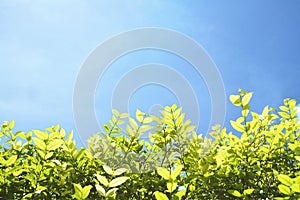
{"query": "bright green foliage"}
pixel 176 163
pixel 155 163
pixel 159 157
pixel 45 165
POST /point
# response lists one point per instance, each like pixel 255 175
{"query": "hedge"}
pixel 158 157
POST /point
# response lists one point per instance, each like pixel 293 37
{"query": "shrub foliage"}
pixel 158 157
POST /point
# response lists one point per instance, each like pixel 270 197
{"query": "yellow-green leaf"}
pixel 40 134
pixel 176 172
pixel 285 179
pixel 115 112
pixel 120 171
pixel 118 181
pixel 284 115
pixel 100 190
pixel 69 139
pixel 133 123
pixel 235 193
pixel 54 144
pixel 235 100
pixel 164 173
pixel 160 196
pixel 248 191
pixel 11 160
pixel 48 155
pixel 103 180
pixel 124 115
pixel 11 124
pixel 86 191
pixel 108 170
pixel 39 143
pixel 296 187
pixel 111 192
pixel 139 115
pixel 171 186
pixel 284 189
pixel 246 99
pixel 237 126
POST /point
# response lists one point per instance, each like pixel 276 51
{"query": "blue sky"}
pixel 255 45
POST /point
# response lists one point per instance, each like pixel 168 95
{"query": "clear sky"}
pixel 255 45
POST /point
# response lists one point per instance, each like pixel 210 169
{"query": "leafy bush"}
pixel 172 162
pixel 48 166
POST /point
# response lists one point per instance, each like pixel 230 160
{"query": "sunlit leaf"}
pixel 163 172
pixel 108 170
pixel 118 181
pixel 285 179
pixel 235 193
pixel 284 189
pixel 160 196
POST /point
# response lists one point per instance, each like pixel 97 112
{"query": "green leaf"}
pixel 86 191
pixel 124 115
pixel 139 115
pixel 40 134
pixel 103 180
pixel 39 189
pixel 265 111
pixel 11 160
pixel 284 108
pixel 176 172
pixel 11 124
pixel 237 126
pixel 296 187
pixel 246 99
pixel 120 171
pixel 235 193
pixel 79 154
pixel 106 128
pixel 177 113
pixel 235 100
pixel 160 196
pixel 174 106
pixel 147 120
pixel 248 191
pixel 55 144
pixel 118 181
pixel 39 143
pixel 41 153
pixel 284 115
pixel 171 186
pixel 164 173
pixel 62 133
pixel 115 112
pixel 284 189
pixel 179 120
pixel 17 173
pixel 108 170
pixel 145 128
pixel 285 179
pixel 70 137
pixel 48 155
pixel 133 123
pixel 111 192
pixel 78 191
pixel 21 134
pixel 292 104
pixel 245 110
pixel 100 190
pixel 120 122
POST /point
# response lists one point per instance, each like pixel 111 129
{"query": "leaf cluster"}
pixel 158 157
